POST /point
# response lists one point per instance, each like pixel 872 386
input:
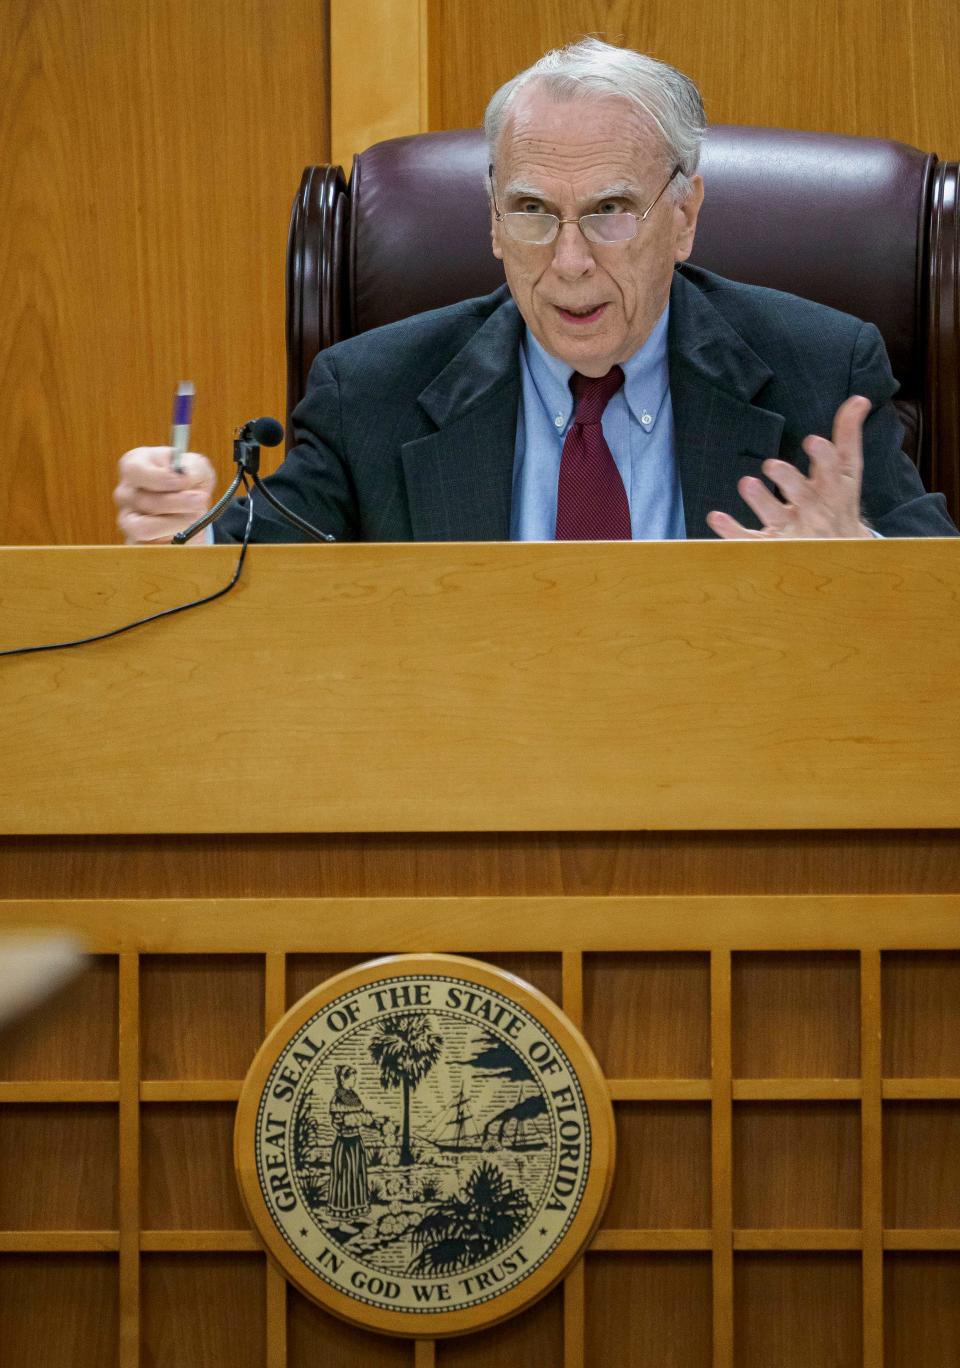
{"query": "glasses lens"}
pixel 533 228
pixel 609 227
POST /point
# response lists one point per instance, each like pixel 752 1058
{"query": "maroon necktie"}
pixel 591 500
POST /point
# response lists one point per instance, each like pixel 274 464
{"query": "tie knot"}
pixel 593 393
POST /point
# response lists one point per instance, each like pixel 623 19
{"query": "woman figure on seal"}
pixel 348 1195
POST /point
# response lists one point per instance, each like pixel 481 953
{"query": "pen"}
pixel 182 415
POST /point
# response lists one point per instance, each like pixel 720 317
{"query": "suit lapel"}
pixel 460 478
pixel 720 435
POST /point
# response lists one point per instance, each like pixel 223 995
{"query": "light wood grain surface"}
pixel 151 154
pixel 491 687
pixel 378 74
pixel 864 67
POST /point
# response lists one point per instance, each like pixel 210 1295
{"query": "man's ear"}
pixel 686 214
pixel 495 234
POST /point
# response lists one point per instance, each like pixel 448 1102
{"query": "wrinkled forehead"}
pixel 546 138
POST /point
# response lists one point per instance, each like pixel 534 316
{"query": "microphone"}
pixel 249 439
pixel 265 431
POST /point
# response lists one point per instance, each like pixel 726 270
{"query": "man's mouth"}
pixel 589 314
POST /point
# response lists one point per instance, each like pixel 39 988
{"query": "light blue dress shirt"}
pixel 638 426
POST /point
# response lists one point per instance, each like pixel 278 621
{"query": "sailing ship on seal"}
pixel 455 1129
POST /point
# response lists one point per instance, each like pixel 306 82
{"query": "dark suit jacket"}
pixel 407 432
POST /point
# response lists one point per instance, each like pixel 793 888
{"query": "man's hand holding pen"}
pixel 154 500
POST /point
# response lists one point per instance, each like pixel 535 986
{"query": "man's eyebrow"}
pixel 619 190
pixel 524 189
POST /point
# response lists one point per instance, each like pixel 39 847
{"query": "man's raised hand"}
pixel 825 503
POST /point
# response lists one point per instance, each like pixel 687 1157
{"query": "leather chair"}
pixel 865 225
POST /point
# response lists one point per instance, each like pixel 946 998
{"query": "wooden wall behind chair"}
pixel 151 150
pixel 870 67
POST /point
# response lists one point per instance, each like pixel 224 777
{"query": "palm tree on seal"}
pixel 461 1231
pixel 406 1047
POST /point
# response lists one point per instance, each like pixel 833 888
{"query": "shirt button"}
pixel 646 418
pixel 558 421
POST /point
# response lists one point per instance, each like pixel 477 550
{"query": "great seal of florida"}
pixel 424 1144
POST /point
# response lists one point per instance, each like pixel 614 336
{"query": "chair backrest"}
pixel 868 226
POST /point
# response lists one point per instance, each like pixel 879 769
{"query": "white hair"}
pixel 665 96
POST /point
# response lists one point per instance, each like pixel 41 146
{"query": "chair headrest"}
pixel 835 219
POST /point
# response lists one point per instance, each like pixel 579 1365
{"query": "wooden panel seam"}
pixel 574 1316
pixel 721 1126
pixel 798 1239
pixel 190 1089
pixel 610 1241
pixel 129 1158
pixel 59 1241
pixel 274 1006
pixel 796 1089
pixel 572 994
pixel 198 1241
pixel 871 1175
pixel 59 1090
pixel 613 1241
pixel 363 926
pixel 922 1239
pixel 276 1317
pixel 574 1286
pixel 921 1089
pixel 660 1089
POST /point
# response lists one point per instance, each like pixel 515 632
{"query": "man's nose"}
pixel 572 255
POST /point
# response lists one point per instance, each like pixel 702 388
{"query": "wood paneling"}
pixel 796 1016
pixel 442 687
pixel 66 1310
pixel 533 1338
pixel 792 1240
pixel 378 73
pixel 597 864
pixel 204 1309
pixel 314 1337
pixel 796 1165
pixel 186 1157
pixel 65 1176
pixel 151 153
pixel 921 1035
pixel 922 1306
pixel 648 1310
pixel 76 1034
pixel 815 1298
pixel 864 67
pixel 665 1181
pixel 201 1018
pixel 921 1170
pixel 662 1025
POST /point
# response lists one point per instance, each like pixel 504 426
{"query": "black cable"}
pixel 289 514
pixel 165 612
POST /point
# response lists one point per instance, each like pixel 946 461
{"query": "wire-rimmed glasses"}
pixel 539 230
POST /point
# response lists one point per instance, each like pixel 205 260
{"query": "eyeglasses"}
pixel 539 230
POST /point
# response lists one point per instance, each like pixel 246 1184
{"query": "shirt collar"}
pixel 646 377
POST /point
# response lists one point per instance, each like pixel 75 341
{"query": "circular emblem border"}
pixel 574 1236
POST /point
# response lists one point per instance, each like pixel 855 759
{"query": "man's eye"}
pixel 610 207
pixel 531 207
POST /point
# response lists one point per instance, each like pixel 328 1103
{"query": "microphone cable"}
pixel 164 612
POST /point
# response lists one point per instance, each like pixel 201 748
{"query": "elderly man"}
pixel 608 391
